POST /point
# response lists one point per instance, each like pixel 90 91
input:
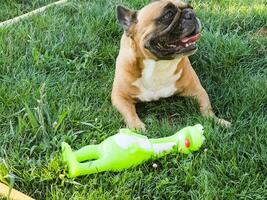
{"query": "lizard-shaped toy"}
pixel 127 149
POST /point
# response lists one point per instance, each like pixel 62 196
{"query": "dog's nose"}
pixel 188 14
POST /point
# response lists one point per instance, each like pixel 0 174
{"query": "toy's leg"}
pixel 90 167
pixel 87 153
pixel 70 159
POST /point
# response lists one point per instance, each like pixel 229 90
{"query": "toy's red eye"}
pixel 187 143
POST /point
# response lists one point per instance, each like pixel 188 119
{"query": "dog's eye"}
pixel 168 15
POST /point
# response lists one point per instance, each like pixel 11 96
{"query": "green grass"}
pixel 56 73
pixel 13 8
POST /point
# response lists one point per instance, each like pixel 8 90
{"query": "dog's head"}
pixel 164 29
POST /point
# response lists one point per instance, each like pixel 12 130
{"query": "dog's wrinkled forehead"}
pixel 155 9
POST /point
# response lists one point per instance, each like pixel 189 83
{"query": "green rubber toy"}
pixel 127 149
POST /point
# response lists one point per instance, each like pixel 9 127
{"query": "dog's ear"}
pixel 127 19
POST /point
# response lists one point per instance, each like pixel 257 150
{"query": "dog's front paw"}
pixel 223 122
pixel 137 124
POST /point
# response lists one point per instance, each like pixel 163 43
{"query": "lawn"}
pixel 56 73
pixel 13 8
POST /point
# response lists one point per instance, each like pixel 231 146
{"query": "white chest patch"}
pixel 158 79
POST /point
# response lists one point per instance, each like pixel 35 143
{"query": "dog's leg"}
pixel 205 106
pixel 204 103
pixel 190 86
pixel 194 89
pixel 127 109
pixel 206 109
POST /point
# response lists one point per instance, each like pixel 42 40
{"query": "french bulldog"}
pixel 153 58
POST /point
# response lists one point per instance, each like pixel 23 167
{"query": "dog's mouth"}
pixel 164 48
pixel 180 46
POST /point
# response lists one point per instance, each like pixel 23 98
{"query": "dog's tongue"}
pixel 191 39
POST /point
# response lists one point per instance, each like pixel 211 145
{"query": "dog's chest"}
pixel 158 79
